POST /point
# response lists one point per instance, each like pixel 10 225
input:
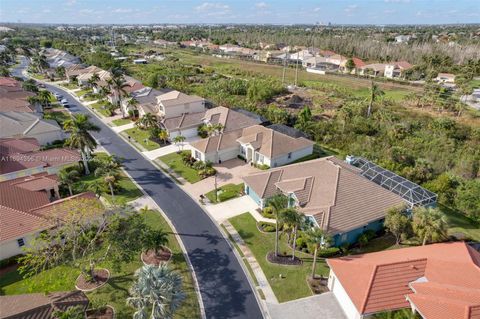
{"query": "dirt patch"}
pixel 150 258
pixel 318 285
pixel 101 277
pixel 283 259
pixel 103 313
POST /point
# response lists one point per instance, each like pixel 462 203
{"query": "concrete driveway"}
pixel 323 306
pixel 228 172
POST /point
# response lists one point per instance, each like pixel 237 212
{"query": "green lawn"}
pixel 70 86
pixel 459 223
pixel 174 161
pixel 115 292
pixel 225 193
pixel 90 98
pixel 83 92
pixel 58 116
pixel 293 284
pixel 142 137
pixel 121 122
pixel 99 107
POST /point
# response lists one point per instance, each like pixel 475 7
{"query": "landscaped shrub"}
pixel 241 157
pixel 328 252
pixel 266 227
pixel 202 131
pixel 209 171
pixel 267 212
pixel 263 167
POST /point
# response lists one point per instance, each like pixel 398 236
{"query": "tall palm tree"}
pixel 154 240
pixel 178 140
pixel 320 240
pixel 68 178
pixel 109 170
pixel 147 121
pixel 157 288
pixel 278 203
pixel 30 85
pixel 375 93
pixel 78 127
pixel 44 97
pixel 293 220
pixel 429 224
pixel 132 104
pixel 118 84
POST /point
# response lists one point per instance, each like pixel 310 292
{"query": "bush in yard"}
pixel 301 244
pixel 209 171
pixel 268 212
pixel 328 252
pixel 153 132
pixel 363 240
pixel 266 227
pixel 202 131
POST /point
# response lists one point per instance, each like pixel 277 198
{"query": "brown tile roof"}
pixel 15 101
pixel 428 275
pixel 6 81
pixel 15 224
pixel 186 120
pixel 174 98
pixel 40 306
pixel 337 196
pixel 231 120
pixel 13 159
pixel 271 143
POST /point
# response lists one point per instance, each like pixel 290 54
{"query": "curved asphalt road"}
pixel 225 290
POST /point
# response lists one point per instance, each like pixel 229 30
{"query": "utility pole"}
pixel 284 60
pixel 296 68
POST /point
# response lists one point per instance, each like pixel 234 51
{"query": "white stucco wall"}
pixel 283 160
pixel 190 132
pixel 342 297
pixel 177 110
pixel 10 248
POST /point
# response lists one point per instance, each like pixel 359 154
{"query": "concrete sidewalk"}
pixel 233 207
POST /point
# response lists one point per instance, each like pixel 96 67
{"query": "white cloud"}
pixel 351 8
pixel 261 5
pixel 46 10
pixel 397 1
pixel 317 9
pixel 122 10
pixel 86 11
pixel 71 2
pixel 206 6
pixel 388 11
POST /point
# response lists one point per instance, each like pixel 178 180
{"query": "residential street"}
pixel 224 287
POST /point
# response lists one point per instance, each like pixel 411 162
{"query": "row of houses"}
pixel 29 186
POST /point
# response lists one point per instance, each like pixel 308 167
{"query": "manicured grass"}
pixel 225 193
pixel 70 86
pixel 121 122
pixel 293 283
pixel 174 161
pixel 115 292
pixel 459 223
pixel 83 92
pixel 142 137
pixel 99 107
pixel 58 116
pixel 38 76
pixel 90 98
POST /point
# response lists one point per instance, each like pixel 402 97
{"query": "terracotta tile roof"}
pixel 358 62
pixel 404 65
pixel 335 194
pixel 271 143
pixel 40 306
pixel 15 100
pixel 428 275
pixel 18 145
pixel 6 81
pixel 16 195
pixel 15 224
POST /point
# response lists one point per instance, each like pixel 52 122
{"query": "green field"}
pixel 293 283
pixel 99 107
pixel 225 193
pixel 142 137
pixel 115 292
pixel 121 122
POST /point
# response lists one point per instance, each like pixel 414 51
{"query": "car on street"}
pixel 64 102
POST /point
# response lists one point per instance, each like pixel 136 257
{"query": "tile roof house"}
pixel 438 281
pixel 13 98
pixel 21 124
pixel 176 103
pixel 25 205
pixel 396 69
pixel 23 157
pixel 331 193
pixel 147 100
pixel 40 306
pixel 255 143
pixel 375 69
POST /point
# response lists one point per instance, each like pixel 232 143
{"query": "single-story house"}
pixel 186 124
pixel 375 69
pixel 356 61
pixel 256 144
pixel 330 192
pixel 87 73
pixel 445 78
pixel 22 124
pixel 396 69
pixel 13 98
pixel 25 207
pixel 147 100
pixel 74 70
pixel 438 281
pixel 23 157
pixel 39 305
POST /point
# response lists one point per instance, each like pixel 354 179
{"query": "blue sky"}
pixel 242 11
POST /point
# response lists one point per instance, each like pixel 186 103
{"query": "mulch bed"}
pixel 103 313
pixel 150 258
pixel 283 259
pixel 101 278
pixel 318 284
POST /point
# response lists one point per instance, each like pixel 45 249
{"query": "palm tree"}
pixel 154 240
pixel 375 92
pixel 178 140
pixel 96 187
pixel 147 121
pixel 118 84
pixel 429 224
pixel 109 169
pixel 68 178
pixel 214 129
pixel 163 136
pixel 132 105
pixel 320 240
pixel 157 288
pixel 78 127
pixel 278 203
pixel 30 85
pixel 44 97
pixel 293 220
